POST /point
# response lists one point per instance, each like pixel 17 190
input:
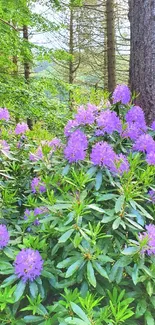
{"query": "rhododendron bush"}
pixel 77 230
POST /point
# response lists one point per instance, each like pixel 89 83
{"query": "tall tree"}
pixel 142 59
pixel 111 51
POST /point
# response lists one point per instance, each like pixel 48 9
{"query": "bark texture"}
pixel 27 70
pixel 142 59
pixel 71 52
pixel 111 56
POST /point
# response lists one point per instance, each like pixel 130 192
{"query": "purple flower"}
pixel 121 164
pixel 27 214
pixel 152 195
pixel 132 131
pixel 70 127
pixel 144 143
pixel 55 143
pixel 4 147
pixel 150 158
pixel 109 122
pixel 136 115
pixel 21 128
pixel 84 116
pixel 121 94
pixel 76 146
pixel 38 155
pixel 28 264
pixel 4 114
pixel 103 155
pixel 153 126
pixel 136 125
pixel 149 235
pixel 4 236
pixel 37 185
pixel 92 108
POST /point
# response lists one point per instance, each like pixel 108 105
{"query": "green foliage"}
pixel 87 233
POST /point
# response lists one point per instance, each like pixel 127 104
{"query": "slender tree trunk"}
pixel 142 58
pixel 71 52
pixel 27 70
pixel 111 56
pixel 105 72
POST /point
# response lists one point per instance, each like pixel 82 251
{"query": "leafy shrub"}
pixel 77 233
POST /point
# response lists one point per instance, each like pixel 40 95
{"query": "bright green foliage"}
pixel 94 270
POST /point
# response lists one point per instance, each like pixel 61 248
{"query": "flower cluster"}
pixel 76 147
pixel 108 122
pixel 121 164
pixel 55 143
pixel 136 124
pixel 28 264
pixel 4 147
pixel 37 185
pixel 121 94
pixel 4 114
pixel 149 238
pixel 70 126
pixel 144 143
pixel 4 236
pixel 84 116
pixel 103 155
pixel 38 155
pixel 21 128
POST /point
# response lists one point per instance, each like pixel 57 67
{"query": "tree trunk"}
pixel 27 70
pixel 142 58
pixel 71 52
pixel 105 72
pixel 111 56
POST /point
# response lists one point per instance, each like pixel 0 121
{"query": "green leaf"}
pixel 116 223
pixel 130 250
pixel 135 274
pixel 78 311
pixel 75 321
pixel 106 197
pixel 73 268
pixel 98 180
pixel 19 290
pixel 149 318
pixel 66 262
pixel 119 203
pixel 108 219
pixel 149 288
pixel 33 319
pixel 95 207
pixel 135 224
pixel 90 274
pixel 146 214
pixel 100 270
pixel 10 280
pixel 65 236
pixel 66 170
pixel 33 289
pixel 141 308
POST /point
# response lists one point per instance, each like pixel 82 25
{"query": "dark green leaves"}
pixel 90 274
pixel 19 290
